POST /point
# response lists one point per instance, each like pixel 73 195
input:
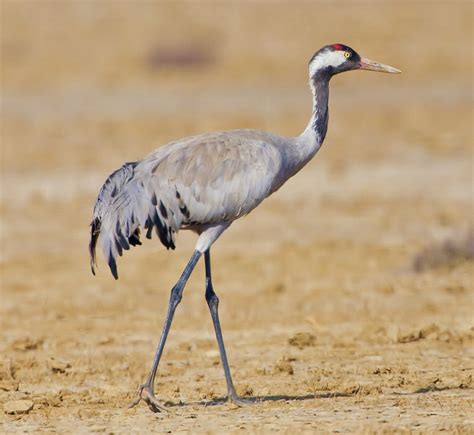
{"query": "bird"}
pixel 204 183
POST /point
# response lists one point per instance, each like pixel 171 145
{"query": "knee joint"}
pixel 211 297
pixel 176 295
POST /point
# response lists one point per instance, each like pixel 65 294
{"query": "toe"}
pixel 148 396
pixel 240 401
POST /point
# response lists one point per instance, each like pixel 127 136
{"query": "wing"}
pixel 217 176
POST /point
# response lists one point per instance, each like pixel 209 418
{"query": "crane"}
pixel 203 183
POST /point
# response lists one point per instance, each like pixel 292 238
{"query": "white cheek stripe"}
pixel 331 58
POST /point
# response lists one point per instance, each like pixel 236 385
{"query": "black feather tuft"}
pixel 149 228
pixel 163 210
pixel 161 230
pixel 118 247
pixel 95 231
pixel 113 265
pixel 121 238
pixel 134 239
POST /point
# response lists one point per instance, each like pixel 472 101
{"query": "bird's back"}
pixel 218 176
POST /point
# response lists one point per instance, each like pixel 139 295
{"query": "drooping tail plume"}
pixel 125 204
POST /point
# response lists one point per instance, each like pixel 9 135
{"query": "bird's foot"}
pixel 239 401
pixel 146 394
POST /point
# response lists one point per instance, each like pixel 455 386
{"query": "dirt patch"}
pixel 302 339
pixel 445 254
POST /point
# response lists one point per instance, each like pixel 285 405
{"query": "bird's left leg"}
pixel 213 303
pixel 146 391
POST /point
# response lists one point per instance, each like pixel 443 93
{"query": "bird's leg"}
pixel 213 303
pixel 146 391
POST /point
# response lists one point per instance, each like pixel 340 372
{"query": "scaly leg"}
pixel 146 391
pixel 213 303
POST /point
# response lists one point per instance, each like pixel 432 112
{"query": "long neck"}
pixel 301 149
pixel 318 124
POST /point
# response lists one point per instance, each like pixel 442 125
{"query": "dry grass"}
pixel 449 253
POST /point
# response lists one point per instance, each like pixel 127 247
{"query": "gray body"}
pixel 202 183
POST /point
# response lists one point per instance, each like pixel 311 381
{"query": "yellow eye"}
pixel 347 54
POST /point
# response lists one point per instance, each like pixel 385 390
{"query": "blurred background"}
pixel 369 247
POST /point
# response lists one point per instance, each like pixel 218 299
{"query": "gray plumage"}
pixel 193 183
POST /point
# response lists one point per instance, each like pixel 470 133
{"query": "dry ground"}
pixel 341 307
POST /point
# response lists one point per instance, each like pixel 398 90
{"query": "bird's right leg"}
pixel 213 303
pixel 146 391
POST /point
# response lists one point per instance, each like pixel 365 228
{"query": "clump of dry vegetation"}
pixel 448 253
pixel 302 339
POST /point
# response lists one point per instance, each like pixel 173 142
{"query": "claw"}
pixel 146 394
pixel 240 401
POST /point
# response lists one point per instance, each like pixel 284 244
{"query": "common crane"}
pixel 204 183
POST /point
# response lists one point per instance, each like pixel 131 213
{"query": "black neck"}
pixel 319 120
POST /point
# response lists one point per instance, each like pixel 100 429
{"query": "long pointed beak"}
pixel 375 66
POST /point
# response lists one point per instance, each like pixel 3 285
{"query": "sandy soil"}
pixel 346 298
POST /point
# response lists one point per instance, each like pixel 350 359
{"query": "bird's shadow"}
pixel 261 399
pixel 428 389
pixel 285 397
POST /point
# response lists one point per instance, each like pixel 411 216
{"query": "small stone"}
pixel 245 390
pixel 58 366
pixel 18 407
pixel 9 385
pixel 283 366
pixel 26 343
pixel 212 353
pixel 302 339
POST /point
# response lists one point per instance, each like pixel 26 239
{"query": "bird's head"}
pixel 336 58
